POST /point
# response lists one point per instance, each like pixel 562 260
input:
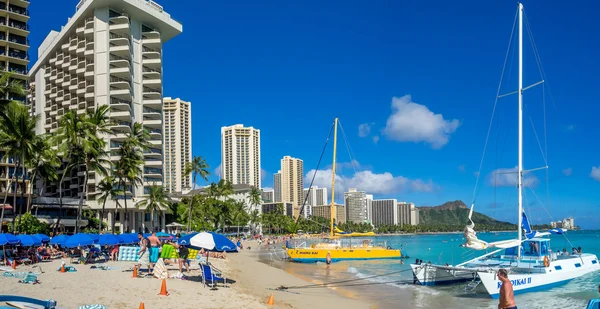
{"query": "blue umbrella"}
pixel 42 237
pixel 78 240
pixel 223 243
pixel 8 239
pixel 108 239
pixel 185 240
pixel 94 237
pixel 129 238
pixel 58 239
pixel 28 240
pixel 162 234
pixel 209 241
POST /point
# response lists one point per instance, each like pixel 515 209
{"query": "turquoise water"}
pixel 395 290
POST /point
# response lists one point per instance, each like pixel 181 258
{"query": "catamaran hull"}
pixel 430 275
pixel 313 255
pixel 558 273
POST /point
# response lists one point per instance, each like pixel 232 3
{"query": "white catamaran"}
pixel 531 263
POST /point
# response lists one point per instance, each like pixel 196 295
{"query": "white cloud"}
pixel 364 129
pixel 595 173
pixel 263 174
pixel 507 177
pixel 268 189
pixel 218 171
pixel 412 122
pixel 376 139
pixel 568 171
pixel 372 183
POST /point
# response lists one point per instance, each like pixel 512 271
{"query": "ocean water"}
pixel 388 283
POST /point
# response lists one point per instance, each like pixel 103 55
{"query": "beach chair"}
pixel 210 278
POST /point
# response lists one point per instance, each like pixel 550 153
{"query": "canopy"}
pixel 128 238
pixel 8 239
pixel 210 241
pixel 42 237
pixel 108 240
pixel 29 240
pixel 78 240
pixel 59 239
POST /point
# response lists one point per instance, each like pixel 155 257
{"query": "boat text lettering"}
pixel 517 282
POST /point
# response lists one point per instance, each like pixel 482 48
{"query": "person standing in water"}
pixel 507 294
pixel 328 258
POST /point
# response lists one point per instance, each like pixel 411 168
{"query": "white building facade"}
pixel 240 155
pixel 177 131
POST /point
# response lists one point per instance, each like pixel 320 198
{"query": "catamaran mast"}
pixel 332 207
pixel 520 94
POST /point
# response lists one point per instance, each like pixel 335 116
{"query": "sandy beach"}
pixel 116 288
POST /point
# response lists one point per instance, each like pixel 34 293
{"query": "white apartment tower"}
pixel 314 196
pixel 240 155
pixel 177 132
pixel 292 183
pixel 108 53
pixel 356 206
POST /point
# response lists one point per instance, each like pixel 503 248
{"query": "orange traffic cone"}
pixel 135 274
pixel 14 264
pixel 163 288
pixel 271 300
pixel 142 306
pixel 62 268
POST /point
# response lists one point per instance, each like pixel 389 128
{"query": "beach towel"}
pixel 94 306
pixel 169 252
pixel 144 258
pixel 70 269
pixel 160 270
pixel 154 254
pixel 30 279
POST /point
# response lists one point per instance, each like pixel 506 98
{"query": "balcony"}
pixel 150 73
pixel 155 133
pixel 152 113
pixel 151 52
pixel 120 93
pixel 123 126
pixel 120 104
pixel 153 162
pixel 119 24
pixel 121 83
pixel 154 123
pixel 19 13
pixel 119 114
pixel 153 152
pixel 119 61
pixel 20 42
pixel 19 28
pixel 151 93
pixel 152 171
pixel 151 39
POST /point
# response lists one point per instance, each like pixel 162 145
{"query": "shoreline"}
pixel 260 279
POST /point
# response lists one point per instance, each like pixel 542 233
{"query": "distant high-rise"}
pixel 356 206
pixel 384 212
pixel 240 155
pixel 292 183
pixel 316 196
pixel 268 196
pixel 369 199
pixel 277 187
pixel 407 214
pixel 177 132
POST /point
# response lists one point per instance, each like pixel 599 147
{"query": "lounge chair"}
pixel 210 278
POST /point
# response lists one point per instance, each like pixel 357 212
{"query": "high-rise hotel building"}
pixel 108 53
pixel 14 58
pixel 240 155
pixel 177 131
pixel 292 183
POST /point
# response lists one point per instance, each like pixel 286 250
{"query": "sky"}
pixel 413 83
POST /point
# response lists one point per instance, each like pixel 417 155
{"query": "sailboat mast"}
pixel 332 207
pixel 520 94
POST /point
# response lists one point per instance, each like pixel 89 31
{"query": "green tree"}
pixel 18 138
pixel 108 190
pixel 43 164
pixel 155 201
pixel 9 87
pixel 198 166
pixel 28 224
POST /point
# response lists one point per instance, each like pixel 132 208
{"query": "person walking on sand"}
pixel 507 294
pixel 144 254
pixel 154 248
pixel 328 258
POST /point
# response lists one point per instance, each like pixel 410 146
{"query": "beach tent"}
pixel 58 239
pixel 28 240
pixel 77 240
pixel 8 239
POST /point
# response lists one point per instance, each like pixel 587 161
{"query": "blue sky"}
pixel 290 67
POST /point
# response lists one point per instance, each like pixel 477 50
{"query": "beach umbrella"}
pixel 163 235
pixel 94 237
pixel 42 237
pixel 78 240
pixel 108 239
pixel 128 238
pixel 28 240
pixel 185 240
pixel 211 241
pixel 58 239
pixel 8 239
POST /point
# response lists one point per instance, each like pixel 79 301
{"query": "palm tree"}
pixel 129 167
pixel 43 164
pixel 255 219
pixel 107 191
pixel 18 137
pixel 155 201
pixel 197 166
pixel 9 87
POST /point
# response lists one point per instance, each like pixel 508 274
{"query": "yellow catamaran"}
pixel 362 250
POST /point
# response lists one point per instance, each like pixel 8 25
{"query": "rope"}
pixel 326 284
pixel 494 109
pixel 315 174
pixel 350 153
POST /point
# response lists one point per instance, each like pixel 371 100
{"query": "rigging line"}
pixel 316 170
pixel 549 215
pixel 345 281
pixel 539 61
pixel 350 152
pixel 538 139
pixel 494 109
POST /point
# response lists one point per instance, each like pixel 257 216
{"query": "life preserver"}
pixel 546 261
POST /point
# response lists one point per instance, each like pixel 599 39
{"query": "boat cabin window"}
pixel 535 248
